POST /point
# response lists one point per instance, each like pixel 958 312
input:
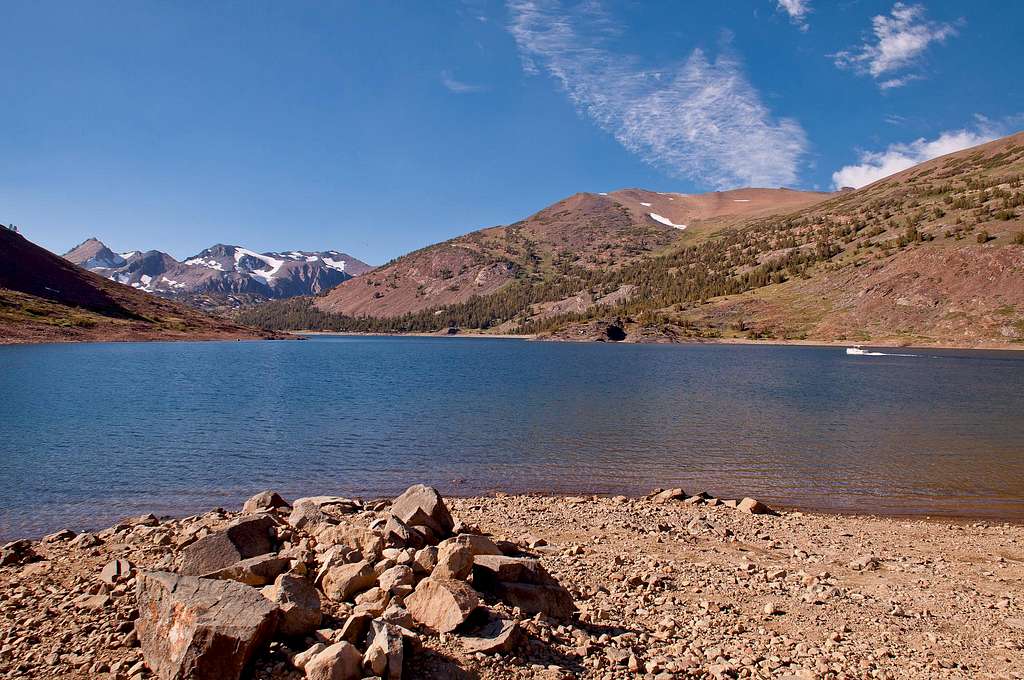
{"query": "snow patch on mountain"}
pixel 666 221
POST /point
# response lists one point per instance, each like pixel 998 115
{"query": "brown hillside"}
pixel 587 230
pixel 45 298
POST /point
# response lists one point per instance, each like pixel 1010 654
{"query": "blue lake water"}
pixel 90 433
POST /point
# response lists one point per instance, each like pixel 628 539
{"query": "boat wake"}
pixel 858 351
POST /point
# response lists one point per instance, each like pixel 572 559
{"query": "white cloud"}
pixel 797 11
pixel 458 86
pixel 899 40
pixel 875 165
pixel 699 118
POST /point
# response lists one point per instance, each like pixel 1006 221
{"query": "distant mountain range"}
pixel 933 254
pixel 45 298
pixel 225 273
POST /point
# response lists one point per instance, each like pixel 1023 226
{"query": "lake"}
pixel 91 433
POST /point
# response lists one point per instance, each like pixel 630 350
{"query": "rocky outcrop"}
pixel 200 629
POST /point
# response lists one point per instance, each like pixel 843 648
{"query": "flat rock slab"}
pixel 200 629
pixel 240 540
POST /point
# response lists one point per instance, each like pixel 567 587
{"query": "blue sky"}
pixel 381 127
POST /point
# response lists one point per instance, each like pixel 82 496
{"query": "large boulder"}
pixel 441 604
pixel 299 603
pixel 255 571
pixel 340 661
pixel 200 629
pixel 423 505
pixel 342 582
pixel 753 506
pixel 522 582
pixel 244 538
pixel 263 502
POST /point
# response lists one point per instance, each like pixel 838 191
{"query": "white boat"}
pixel 856 349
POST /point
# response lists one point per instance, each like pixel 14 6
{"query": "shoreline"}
pixel 958 517
pixel 661 586
pixel 984 347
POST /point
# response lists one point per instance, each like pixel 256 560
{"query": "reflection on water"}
pixel 91 433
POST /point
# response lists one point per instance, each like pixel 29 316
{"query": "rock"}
pixel 422 504
pixel 730 503
pixel 399 616
pixel 477 544
pixel 865 563
pixel 351 536
pixel 522 582
pixel 442 605
pixel 116 570
pixel 17 552
pixel 57 536
pixel 397 534
pixel 264 501
pixel 754 507
pixel 307 515
pixel 770 608
pixel 200 628
pixel 255 571
pixel 396 577
pixel 553 600
pixel 669 495
pixel 93 602
pixel 355 627
pixel 384 656
pixel 85 540
pixel 299 603
pixel 498 635
pixel 425 560
pixel 453 561
pixel 302 658
pixel 342 582
pixel 340 661
pixel 240 540
pixel 489 569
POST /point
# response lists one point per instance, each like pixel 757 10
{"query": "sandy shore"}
pixel 663 590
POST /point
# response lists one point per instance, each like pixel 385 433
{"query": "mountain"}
pixel 933 254
pixel 222 273
pixel 45 298
pixel 593 232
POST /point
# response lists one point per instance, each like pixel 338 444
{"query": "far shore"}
pixel 881 344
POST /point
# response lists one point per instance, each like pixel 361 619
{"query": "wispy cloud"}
pixel 457 86
pixel 699 118
pixel 874 165
pixel 897 42
pixel 797 11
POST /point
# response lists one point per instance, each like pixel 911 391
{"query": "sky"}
pixel 377 128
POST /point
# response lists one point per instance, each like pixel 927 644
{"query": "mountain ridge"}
pixel 932 254
pixel 45 298
pixel 221 274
